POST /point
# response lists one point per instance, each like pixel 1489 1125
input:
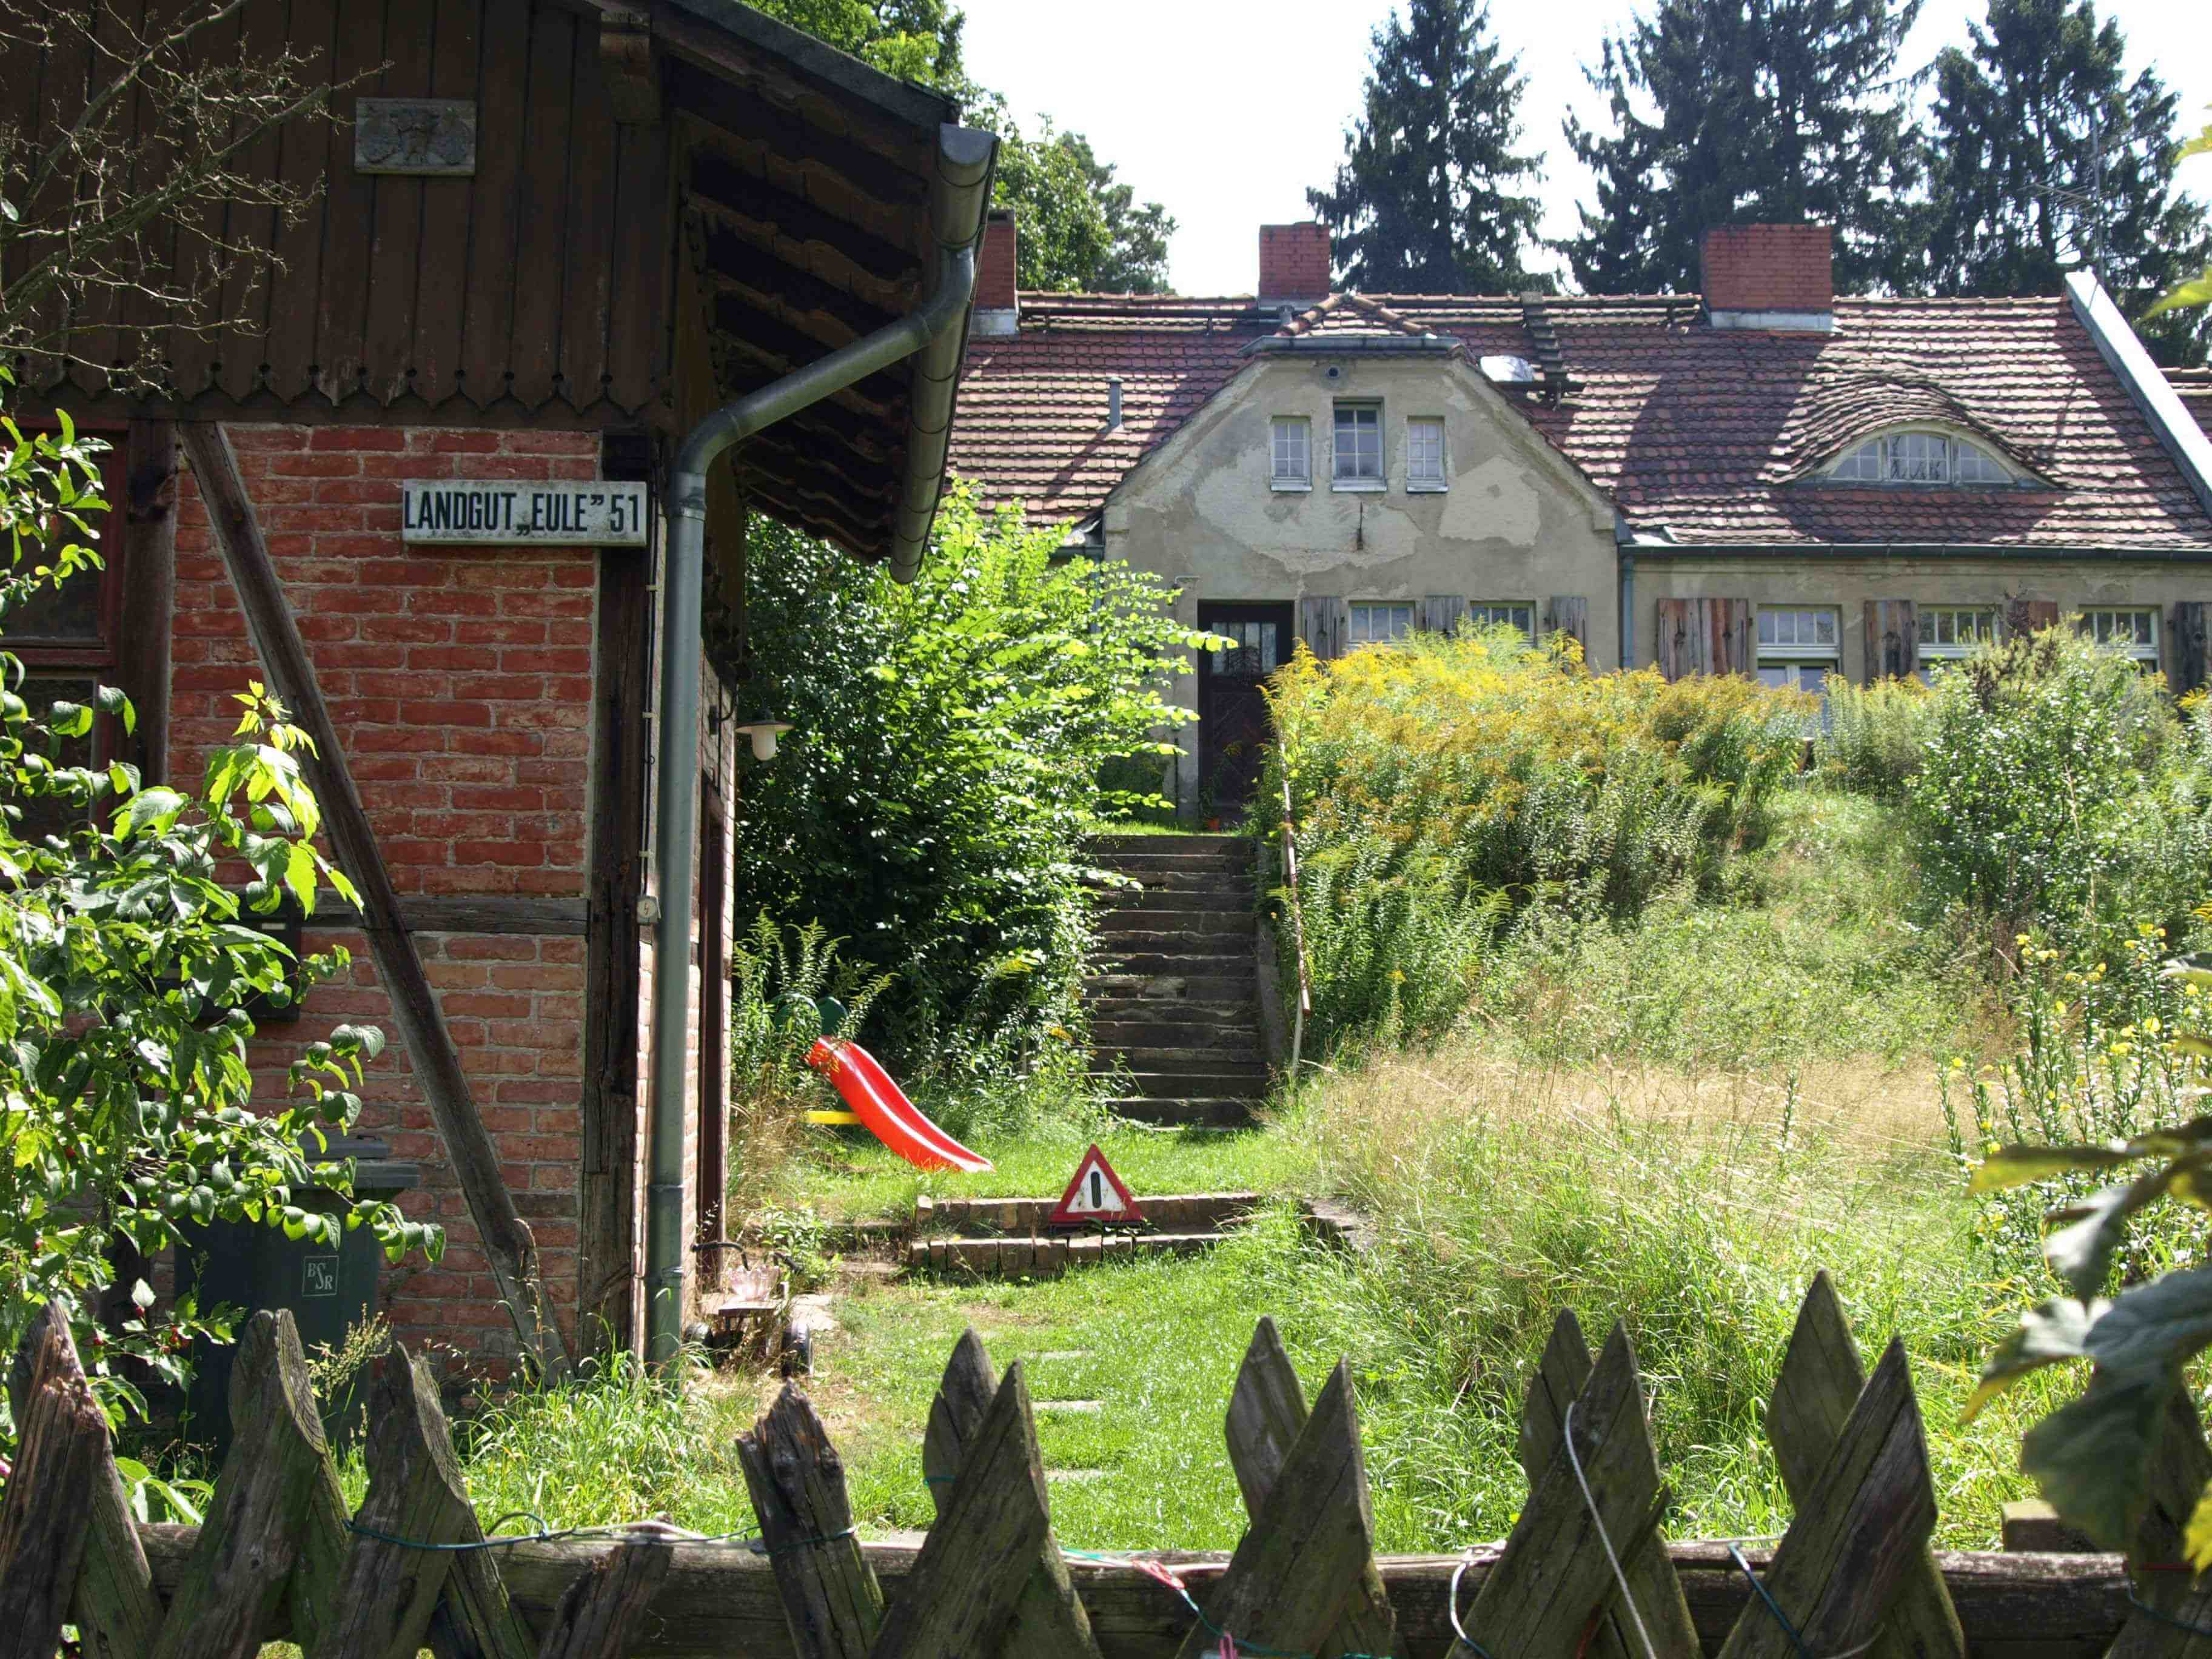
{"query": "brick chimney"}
pixel 1781 277
pixel 997 307
pixel 1293 265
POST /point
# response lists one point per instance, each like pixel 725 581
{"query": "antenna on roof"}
pixel 2089 203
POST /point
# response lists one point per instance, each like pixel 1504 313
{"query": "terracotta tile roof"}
pixel 1706 435
pixel 2194 386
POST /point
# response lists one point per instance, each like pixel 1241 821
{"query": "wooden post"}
pixel 388 1591
pixel 830 1598
pixel 975 1562
pixel 116 1610
pixel 1303 1561
pixel 1860 1528
pixel 1820 1382
pixel 506 1238
pixel 2176 1606
pixel 603 1608
pixel 1267 1410
pixel 275 1532
pixel 1561 1376
pixel 47 1513
pixel 1049 1618
pixel 1556 1578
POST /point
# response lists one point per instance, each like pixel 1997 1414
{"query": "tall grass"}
pixel 1447 783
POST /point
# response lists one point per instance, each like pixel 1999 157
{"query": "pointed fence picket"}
pixel 1587 1572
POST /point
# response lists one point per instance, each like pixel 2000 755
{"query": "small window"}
pixel 1797 647
pixel 1952 633
pixel 1256 654
pixel 1293 453
pixel 1380 624
pixel 1359 446
pixel 1504 613
pixel 2131 632
pixel 1425 455
pixel 1920 458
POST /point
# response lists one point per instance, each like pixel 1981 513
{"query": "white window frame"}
pixel 1360 622
pixel 1281 429
pixel 1889 460
pixel 1338 477
pixel 1984 625
pixel 2097 622
pixel 1513 613
pixel 1795 652
pixel 1425 483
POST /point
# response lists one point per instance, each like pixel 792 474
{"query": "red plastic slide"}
pixel 882 1106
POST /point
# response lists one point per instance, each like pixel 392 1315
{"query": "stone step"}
pixel 1168 990
pixel 1186 1057
pixel 1188 964
pixel 1246 1084
pixel 1127 1030
pixel 1172 901
pixel 1150 919
pixel 1138 842
pixel 1226 1112
pixel 1182 944
pixel 1141 865
pixel 1047 1258
pixel 1234 886
pixel 1172 1213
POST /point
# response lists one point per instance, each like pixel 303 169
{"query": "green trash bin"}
pixel 329 1290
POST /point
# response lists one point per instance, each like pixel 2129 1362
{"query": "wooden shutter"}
pixel 1705 636
pixel 2026 615
pixel 1441 613
pixel 2187 667
pixel 1323 621
pixel 1570 614
pixel 1892 639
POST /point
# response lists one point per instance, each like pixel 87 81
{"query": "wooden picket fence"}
pixel 1585 1574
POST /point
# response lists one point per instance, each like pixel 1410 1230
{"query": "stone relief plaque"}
pixel 435 136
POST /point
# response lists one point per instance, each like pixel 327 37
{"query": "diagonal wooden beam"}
pixel 275 631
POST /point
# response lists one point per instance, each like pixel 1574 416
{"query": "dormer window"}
pixel 1920 458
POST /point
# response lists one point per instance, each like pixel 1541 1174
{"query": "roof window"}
pixel 1920 458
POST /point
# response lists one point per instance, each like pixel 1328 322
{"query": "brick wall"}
pixel 460 679
pixel 1769 267
pixel 1294 261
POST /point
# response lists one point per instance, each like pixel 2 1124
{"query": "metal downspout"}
pixel 964 166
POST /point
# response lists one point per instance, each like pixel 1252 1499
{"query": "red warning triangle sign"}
pixel 1097 1194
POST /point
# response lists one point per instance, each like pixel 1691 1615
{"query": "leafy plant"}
pixel 931 806
pixel 1874 735
pixel 2093 1456
pixel 1443 787
pixel 127 1110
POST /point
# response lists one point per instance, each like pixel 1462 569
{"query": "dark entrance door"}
pixel 1233 715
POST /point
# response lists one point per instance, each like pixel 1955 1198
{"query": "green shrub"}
pixel 1446 785
pixel 2059 792
pixel 1873 737
pixel 931 805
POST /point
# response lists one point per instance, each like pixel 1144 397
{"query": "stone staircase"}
pixel 1177 998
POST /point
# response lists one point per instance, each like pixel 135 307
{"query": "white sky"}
pixel 1226 110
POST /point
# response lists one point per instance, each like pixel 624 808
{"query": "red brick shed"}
pixel 553 236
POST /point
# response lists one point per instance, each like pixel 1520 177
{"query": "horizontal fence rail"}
pixel 1587 1572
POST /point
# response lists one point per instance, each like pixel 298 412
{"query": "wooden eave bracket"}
pixel 631 65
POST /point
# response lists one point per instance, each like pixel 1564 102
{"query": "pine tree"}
pixel 1782 111
pixel 1422 203
pixel 2047 159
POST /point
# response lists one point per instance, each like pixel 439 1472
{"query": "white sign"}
pixel 594 514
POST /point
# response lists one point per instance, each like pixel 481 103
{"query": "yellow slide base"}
pixel 833 1117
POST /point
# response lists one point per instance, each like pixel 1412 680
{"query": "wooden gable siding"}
pixel 537 290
